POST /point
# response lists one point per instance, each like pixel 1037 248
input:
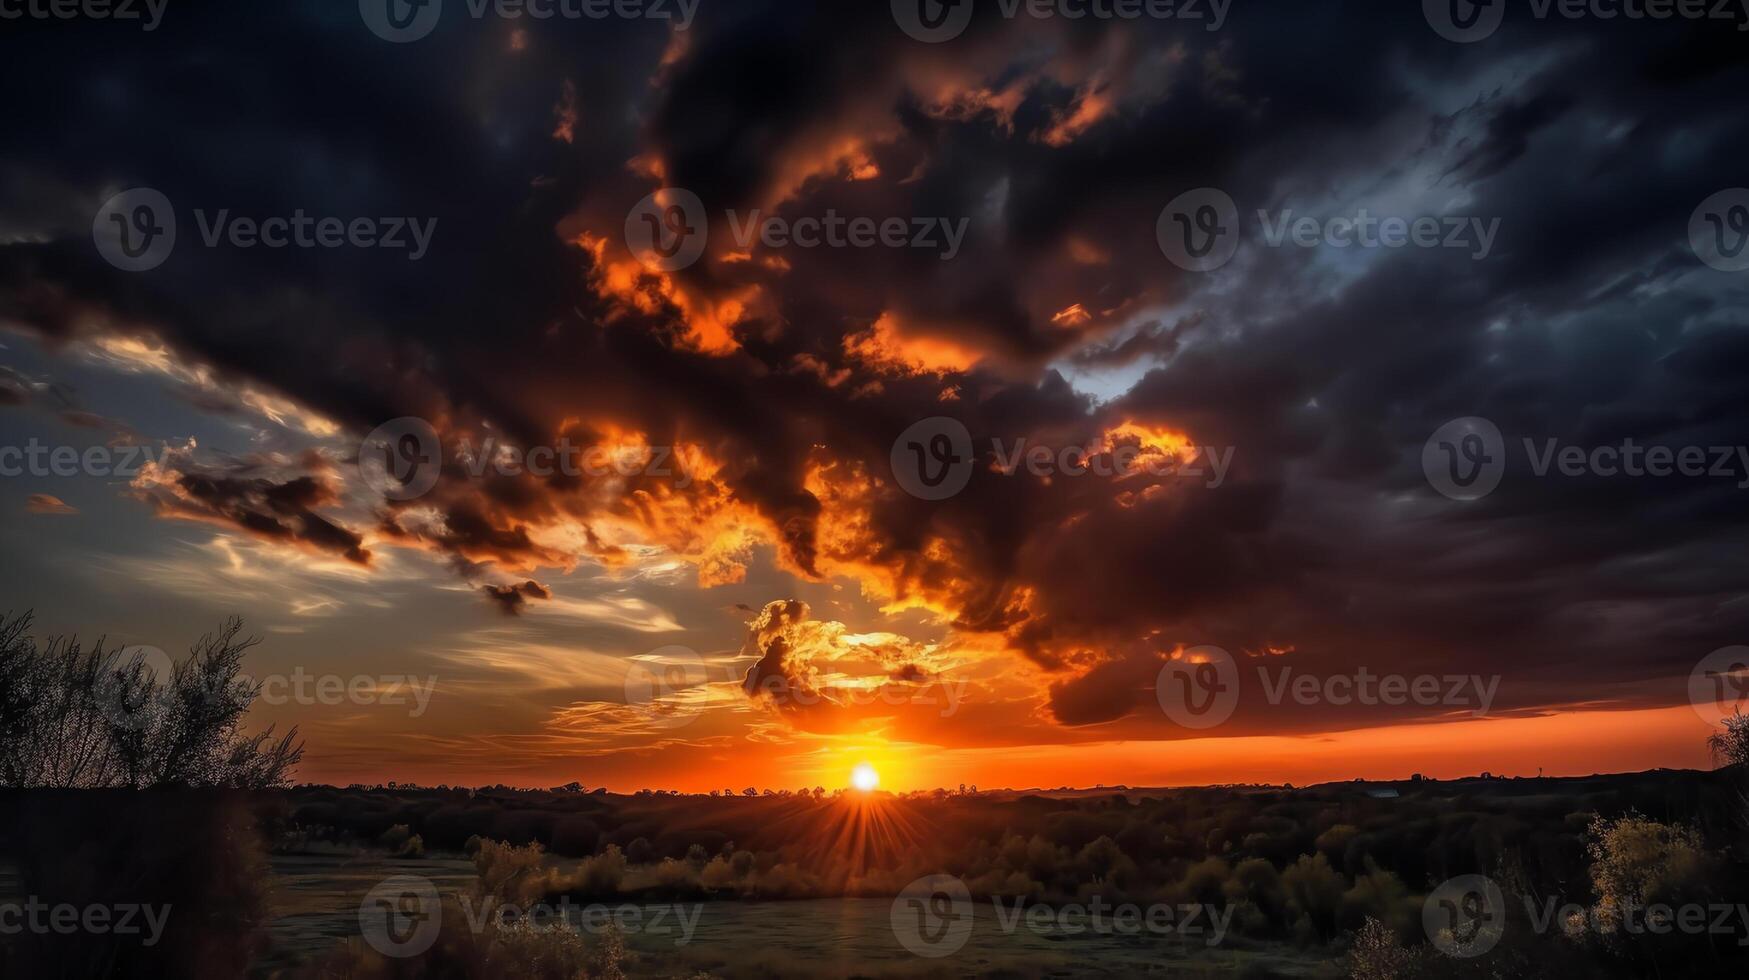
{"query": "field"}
pixel 315 902
pixel 1250 881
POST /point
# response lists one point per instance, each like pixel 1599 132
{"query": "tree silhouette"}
pixel 77 717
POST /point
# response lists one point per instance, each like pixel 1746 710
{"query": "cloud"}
pixel 782 376
pixel 511 598
pixel 233 495
pixel 43 503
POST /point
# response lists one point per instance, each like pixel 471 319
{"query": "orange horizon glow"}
pixel 1564 744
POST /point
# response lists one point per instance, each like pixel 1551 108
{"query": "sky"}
pixel 1022 401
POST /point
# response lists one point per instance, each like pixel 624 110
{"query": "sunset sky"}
pixel 817 613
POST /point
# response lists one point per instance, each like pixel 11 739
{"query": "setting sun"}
pixel 864 777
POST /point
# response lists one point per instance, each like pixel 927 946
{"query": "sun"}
pixel 864 777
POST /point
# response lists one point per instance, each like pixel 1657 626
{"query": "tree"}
pixel 1641 869
pixel 73 717
pixel 1377 955
pixel 1730 749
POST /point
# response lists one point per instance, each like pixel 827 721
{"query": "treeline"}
pixel 1316 867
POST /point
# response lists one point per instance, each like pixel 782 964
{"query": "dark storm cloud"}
pixel 240 495
pixel 511 598
pixel 1058 143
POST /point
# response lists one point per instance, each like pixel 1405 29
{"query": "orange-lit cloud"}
pixel 44 503
pixel 888 346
